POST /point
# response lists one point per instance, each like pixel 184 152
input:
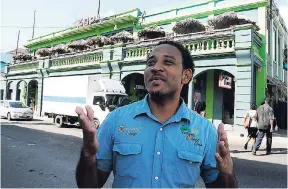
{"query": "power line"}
pixel 42 27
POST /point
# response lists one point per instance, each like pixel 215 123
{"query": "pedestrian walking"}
pixel 156 142
pixel 251 117
pixel 265 126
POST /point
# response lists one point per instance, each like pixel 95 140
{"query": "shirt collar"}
pixel 182 113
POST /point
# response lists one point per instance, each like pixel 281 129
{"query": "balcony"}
pixel 26 67
pixel 199 44
pixel 85 59
pixel 210 43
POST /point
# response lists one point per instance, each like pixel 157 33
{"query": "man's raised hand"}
pixel 90 141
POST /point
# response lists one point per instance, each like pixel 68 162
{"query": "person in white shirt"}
pixel 253 128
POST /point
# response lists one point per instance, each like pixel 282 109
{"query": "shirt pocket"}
pixel 187 168
pixel 127 159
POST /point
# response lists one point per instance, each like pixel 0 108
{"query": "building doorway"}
pixel 21 93
pixel 32 99
pixel 9 91
pixel 217 89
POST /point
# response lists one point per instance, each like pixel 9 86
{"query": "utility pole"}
pixel 271 9
pixel 33 25
pixel 17 43
pixel 98 14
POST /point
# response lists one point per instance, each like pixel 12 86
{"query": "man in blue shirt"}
pixel 157 142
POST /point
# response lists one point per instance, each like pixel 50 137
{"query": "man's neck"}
pixel 164 108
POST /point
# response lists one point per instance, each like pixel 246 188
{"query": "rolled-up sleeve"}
pixel 209 171
pixel 105 139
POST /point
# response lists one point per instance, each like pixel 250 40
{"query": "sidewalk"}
pixel 279 136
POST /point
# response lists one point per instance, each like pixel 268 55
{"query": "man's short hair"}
pixel 187 60
pixel 253 106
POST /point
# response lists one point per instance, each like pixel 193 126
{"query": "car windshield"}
pixel 113 99
pixel 17 105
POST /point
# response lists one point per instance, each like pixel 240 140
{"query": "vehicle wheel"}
pixel 59 121
pixel 96 123
pixel 9 117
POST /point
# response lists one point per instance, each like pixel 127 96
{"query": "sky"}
pixel 54 15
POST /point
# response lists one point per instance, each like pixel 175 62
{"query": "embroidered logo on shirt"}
pixel 195 131
pixel 184 128
pixel 121 128
pixel 191 134
pixel 129 130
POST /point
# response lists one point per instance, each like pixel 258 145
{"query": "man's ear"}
pixel 186 76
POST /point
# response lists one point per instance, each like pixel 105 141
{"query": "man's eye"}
pixel 168 62
pixel 150 62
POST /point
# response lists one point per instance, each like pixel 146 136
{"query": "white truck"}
pixel 61 96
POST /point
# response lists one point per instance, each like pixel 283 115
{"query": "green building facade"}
pixel 251 57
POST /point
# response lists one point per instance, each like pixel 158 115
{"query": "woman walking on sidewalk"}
pixel 253 125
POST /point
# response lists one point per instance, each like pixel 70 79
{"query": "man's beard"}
pixel 159 96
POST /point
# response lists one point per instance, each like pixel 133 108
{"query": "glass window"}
pixel 98 100
pixel 280 51
pixel 274 45
pixel 113 99
pixel 17 105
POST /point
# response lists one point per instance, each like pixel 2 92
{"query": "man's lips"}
pixel 157 78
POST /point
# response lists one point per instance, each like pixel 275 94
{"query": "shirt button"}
pixel 158 153
pixel 161 129
pixel 156 178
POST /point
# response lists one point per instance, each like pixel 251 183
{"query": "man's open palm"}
pixel 90 140
pixel 223 158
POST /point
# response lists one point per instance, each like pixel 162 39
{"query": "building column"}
pixel 243 77
pixel 190 94
pixel 39 97
pixel 277 52
pixel 14 88
pixel 4 89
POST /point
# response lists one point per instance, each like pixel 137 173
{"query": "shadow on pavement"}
pixel 255 174
pixel 71 126
pixel 26 122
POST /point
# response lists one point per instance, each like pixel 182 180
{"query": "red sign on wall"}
pixel 225 81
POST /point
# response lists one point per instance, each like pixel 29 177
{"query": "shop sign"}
pixel 86 21
pixel 225 81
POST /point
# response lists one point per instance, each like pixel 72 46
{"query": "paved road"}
pixel 34 158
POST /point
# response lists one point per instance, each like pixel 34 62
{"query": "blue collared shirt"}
pixel 143 153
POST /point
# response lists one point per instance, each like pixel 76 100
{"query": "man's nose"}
pixel 158 66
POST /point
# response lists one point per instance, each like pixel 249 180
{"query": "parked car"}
pixel 11 109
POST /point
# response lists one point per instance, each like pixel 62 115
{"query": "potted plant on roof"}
pixel 59 49
pixel 22 58
pixel 122 37
pixel 228 19
pixel 188 25
pixel 78 45
pixel 43 52
pixel 151 32
pixel 98 41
